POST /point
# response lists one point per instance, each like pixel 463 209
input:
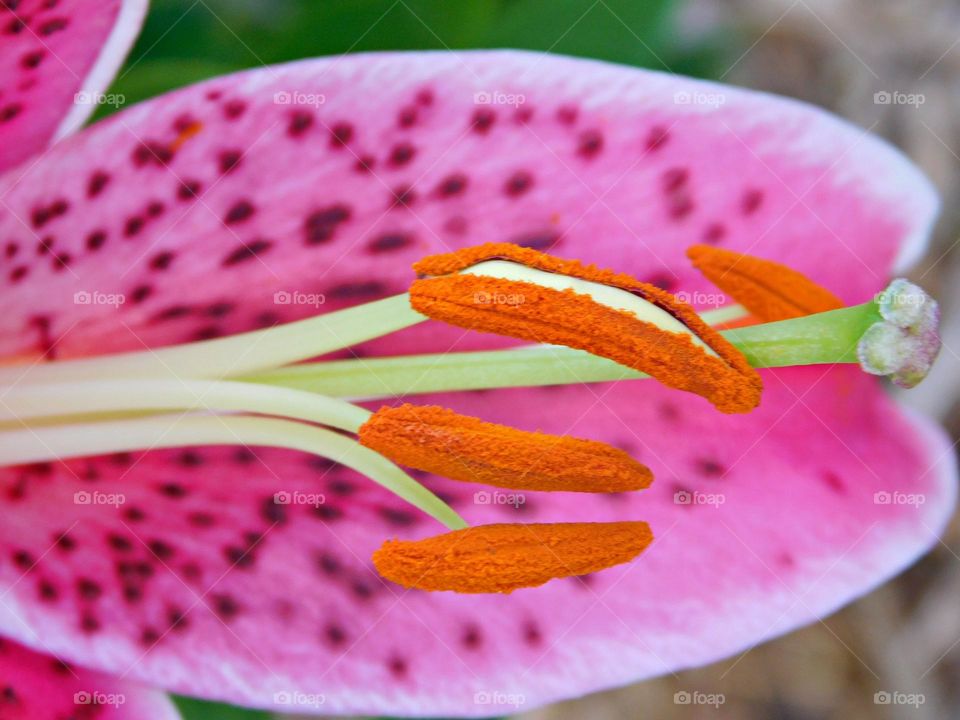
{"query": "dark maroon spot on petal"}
pixel 710 468
pixel 424 97
pixel 326 512
pixel 15 27
pixel 214 95
pixel 18 274
pixel 228 160
pixel 132 593
pixel 567 114
pixel 47 591
pixel 140 293
pixel 208 332
pixel 65 542
pixel 225 606
pixel 177 619
pixel 352 291
pixel 663 280
pixel 403 196
pixel 523 115
pixel 452 185
pixel 42 214
pixel 300 121
pixel 247 251
pixel 680 205
pixel 328 564
pixel 162 260
pixel 532 634
pixel 239 556
pixel 471 639
pixel 590 143
pixel 149 637
pixel 335 635
pixel 45 245
pixel 518 183
pixel 402 154
pixel 53 25
pixel 88 589
pixel 11 250
pixel 61 260
pixel 675 178
pixel 95 240
pixel 155 209
pixel 151 152
pixel 340 134
pixel 89 623
pixel 482 120
pixel 189 189
pixel 96 183
pixel 32 59
pixel 537 241
pixel 189 459
pixel 398 516
pixel 183 123
pixel 751 201
pixel 714 233
pixel 244 456
pixel 834 482
pixel 320 225
pixel 365 163
pixel 23 560
pixel 233 109
pixel 389 242
pixel 119 543
pixel 398 667
pixel 657 138
pixel 238 212
pixel 171 313
pixel 133 226
pixel 220 309
pixel 407 117
pixel 201 519
pixel 173 490
pixel 273 511
pixel 161 549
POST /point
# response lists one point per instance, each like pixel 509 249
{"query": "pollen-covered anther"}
pixel 509 290
pixel 466 448
pixel 769 290
pixel 506 557
pixel 906 342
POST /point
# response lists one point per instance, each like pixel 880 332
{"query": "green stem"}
pixel 825 338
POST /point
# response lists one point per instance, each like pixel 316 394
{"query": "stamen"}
pixel 507 557
pixel 468 449
pixel 646 328
pixel 906 342
pixel 769 290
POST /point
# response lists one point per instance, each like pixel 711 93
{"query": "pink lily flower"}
pixel 272 195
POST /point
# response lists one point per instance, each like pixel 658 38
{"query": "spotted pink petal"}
pixel 55 59
pixel 332 176
pixel 39 687
pixel 199 582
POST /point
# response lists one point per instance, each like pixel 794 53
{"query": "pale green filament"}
pixel 237 354
pixel 152 433
pixel 825 338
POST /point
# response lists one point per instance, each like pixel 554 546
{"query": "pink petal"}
pixel 40 687
pixel 329 177
pixel 159 587
pixel 54 58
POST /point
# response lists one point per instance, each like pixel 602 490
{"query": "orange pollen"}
pixel 188 132
pixel 507 557
pixel 564 317
pixel 468 449
pixel 769 290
